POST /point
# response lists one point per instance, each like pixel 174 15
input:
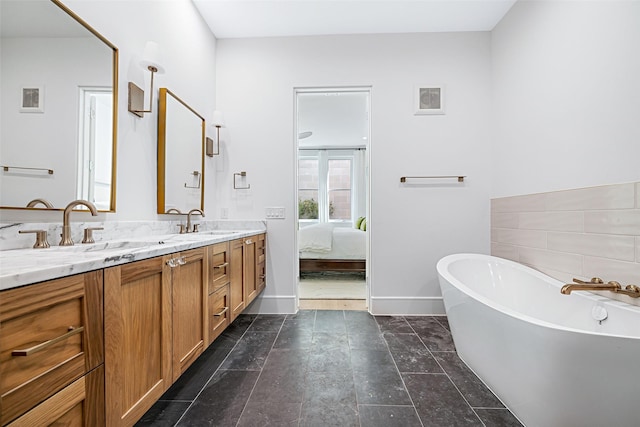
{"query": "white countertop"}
pixel 20 267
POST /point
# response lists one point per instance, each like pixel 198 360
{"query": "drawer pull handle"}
pixel 248 242
pixel 172 263
pixel 29 351
pixel 221 265
pixel 224 310
pixel 182 260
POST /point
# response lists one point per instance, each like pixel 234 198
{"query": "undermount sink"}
pixel 203 235
pixel 220 232
pixel 116 245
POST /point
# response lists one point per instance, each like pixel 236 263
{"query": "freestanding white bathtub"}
pixel 543 353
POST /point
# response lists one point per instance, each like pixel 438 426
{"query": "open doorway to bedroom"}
pixel 333 130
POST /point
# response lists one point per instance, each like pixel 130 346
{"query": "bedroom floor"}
pixel 330 368
pixel 332 285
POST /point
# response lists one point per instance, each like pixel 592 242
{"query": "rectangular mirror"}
pixel 59 85
pixel 181 135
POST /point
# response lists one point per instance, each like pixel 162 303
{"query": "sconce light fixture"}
pixel 151 60
pixel 218 122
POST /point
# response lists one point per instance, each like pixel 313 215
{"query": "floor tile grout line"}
pixel 214 373
pixel 444 370
pixel 244 408
pixel 400 373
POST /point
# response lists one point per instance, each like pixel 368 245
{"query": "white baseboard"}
pixel 407 306
pixel 390 306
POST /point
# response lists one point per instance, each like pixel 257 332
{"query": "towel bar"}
pixel 459 177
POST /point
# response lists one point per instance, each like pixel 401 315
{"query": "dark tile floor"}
pixel 330 368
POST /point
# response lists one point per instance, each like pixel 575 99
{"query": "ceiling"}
pixel 277 18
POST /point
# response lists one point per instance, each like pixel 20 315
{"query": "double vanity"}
pixel 93 334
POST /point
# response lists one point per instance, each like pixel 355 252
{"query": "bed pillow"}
pixel 363 225
pixel 359 221
pixel 316 238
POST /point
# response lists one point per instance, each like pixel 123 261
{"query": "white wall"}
pixel 189 59
pixel 411 226
pixel 48 139
pixel 566 96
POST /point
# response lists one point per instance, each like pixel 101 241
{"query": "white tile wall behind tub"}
pixel 608 269
pixel 584 233
pixel 600 245
pixel 556 260
pixel 558 221
pixel 529 203
pixel 625 222
pixel 505 220
pixel 504 251
pixel 528 238
pixel 619 196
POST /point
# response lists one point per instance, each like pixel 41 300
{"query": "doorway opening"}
pixel 94 165
pixel 332 176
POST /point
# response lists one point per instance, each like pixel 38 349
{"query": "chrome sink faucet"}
pixel 195 226
pixel 66 228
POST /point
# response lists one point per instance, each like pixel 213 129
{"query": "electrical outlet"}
pixel 224 213
pixel 274 213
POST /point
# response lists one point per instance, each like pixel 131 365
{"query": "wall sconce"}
pixel 151 60
pixel 218 122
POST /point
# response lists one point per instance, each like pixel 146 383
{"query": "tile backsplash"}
pixel 582 233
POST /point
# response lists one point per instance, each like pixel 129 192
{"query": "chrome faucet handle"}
pixel 88 234
pixel 182 228
pixel 41 238
pixel 195 228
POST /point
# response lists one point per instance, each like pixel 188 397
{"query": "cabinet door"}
pixel 79 404
pixel 237 281
pixel 251 284
pixel 189 297
pixel 219 266
pixel 50 335
pixel 137 305
pixel 261 262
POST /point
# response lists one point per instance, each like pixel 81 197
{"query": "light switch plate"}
pixel 274 213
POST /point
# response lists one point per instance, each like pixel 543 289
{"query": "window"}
pixel 326 185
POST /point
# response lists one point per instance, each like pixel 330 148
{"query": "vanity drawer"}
pixel 218 265
pixel 50 335
pixel 219 312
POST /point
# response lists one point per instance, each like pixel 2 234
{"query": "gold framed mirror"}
pixel 181 136
pixel 59 83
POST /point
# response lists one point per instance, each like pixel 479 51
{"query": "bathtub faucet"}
pixel 597 284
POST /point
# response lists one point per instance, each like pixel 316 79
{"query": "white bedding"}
pixel 347 243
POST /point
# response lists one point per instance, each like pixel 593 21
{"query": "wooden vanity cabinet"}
pixel 254 266
pixel 247 271
pixel 219 299
pixel 137 300
pixel 156 328
pixel 261 262
pixel 189 283
pixel 237 282
pixel 219 265
pixel 51 350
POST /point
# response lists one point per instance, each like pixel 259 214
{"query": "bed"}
pixel 324 247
